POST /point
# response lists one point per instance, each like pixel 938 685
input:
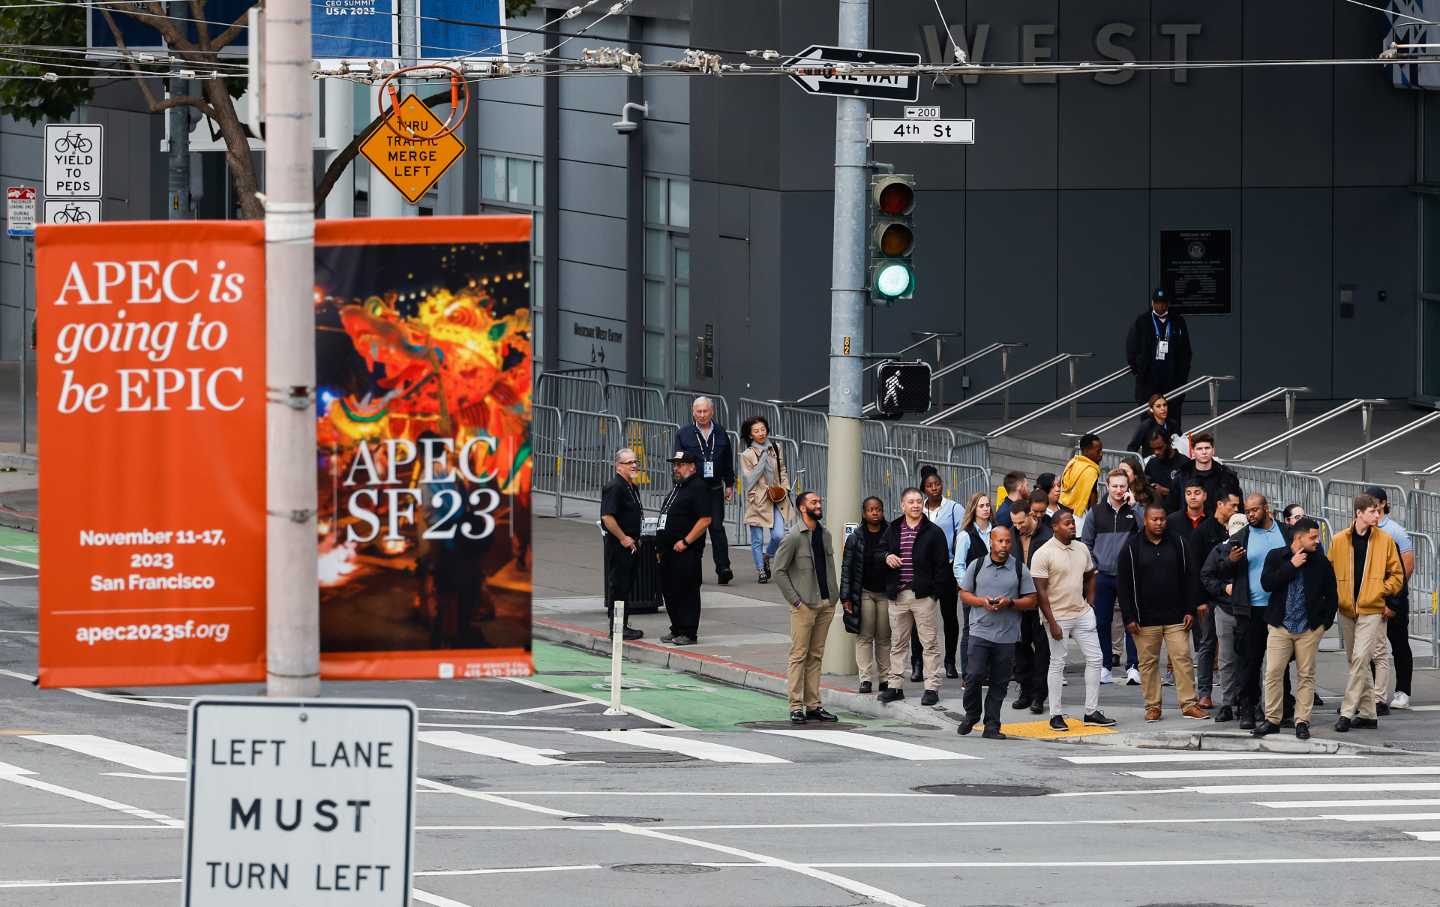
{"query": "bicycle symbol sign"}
pixel 73 154
pixel 72 211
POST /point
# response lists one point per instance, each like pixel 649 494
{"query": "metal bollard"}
pixel 617 643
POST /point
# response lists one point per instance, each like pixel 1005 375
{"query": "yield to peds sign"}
pixel 300 802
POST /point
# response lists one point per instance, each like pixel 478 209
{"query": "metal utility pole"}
pixel 292 587
pixel 847 317
pixel 179 163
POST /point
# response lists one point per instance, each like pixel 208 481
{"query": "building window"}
pixel 514 185
pixel 668 342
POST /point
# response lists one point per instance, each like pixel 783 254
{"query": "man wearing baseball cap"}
pixel 1394 693
pixel 1158 350
pixel 684 517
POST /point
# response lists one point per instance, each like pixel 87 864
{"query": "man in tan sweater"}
pixel 1367 571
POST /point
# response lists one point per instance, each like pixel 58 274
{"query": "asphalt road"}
pixel 529 795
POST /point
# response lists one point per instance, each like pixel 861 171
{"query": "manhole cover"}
pixel 623 757
pixel 984 790
pixel 665 869
pixel 609 820
pixel 811 726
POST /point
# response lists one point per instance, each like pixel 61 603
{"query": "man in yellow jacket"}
pixel 1081 478
pixel 1367 571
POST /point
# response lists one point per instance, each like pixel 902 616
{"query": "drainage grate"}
pixel 984 790
pixel 608 820
pixel 625 757
pixel 665 869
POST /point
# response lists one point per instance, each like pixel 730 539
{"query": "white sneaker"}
pixel 1400 701
pixel 1168 680
pixel 1105 676
pixel 1132 677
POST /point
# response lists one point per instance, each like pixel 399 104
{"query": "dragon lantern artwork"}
pixel 424 454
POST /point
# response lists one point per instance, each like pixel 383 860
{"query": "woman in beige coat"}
pixel 763 467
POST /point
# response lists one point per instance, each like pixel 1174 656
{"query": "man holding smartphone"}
pixel 996 589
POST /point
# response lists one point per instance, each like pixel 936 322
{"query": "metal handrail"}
pixel 1056 404
pixel 1301 429
pixel 955 366
pixel 929 336
pixel 1287 392
pixel 1418 476
pixel 1212 380
pixel 1003 386
pixel 1381 441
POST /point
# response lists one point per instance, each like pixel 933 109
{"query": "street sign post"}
pixel 412 165
pixel 822 70
pixel 73 153
pixel 72 210
pixel 915 131
pixel 309 798
pixel 20 210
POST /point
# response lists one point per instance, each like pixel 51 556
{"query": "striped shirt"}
pixel 907 552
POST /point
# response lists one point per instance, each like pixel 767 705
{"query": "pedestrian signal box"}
pixel 902 388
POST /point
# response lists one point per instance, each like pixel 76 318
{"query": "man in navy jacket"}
pixel 706 441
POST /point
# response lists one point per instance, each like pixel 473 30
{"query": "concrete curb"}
pixel 1235 742
pixel 738 674
pixel 23 462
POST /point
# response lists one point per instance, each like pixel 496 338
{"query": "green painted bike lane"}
pixel 19 547
pixel 695 701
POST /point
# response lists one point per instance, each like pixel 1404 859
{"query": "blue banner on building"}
pixel 353 29
pixel 458 28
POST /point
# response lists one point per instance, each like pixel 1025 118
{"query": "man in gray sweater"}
pixel 804 568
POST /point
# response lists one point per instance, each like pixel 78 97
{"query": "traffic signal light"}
pixel 892 237
pixel 901 388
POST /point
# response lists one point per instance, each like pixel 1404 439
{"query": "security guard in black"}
pixel 684 517
pixel 621 515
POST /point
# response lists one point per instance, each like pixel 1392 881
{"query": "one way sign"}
pixel 823 70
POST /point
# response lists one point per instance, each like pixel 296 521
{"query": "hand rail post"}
pixel 1004 376
pixel 939 364
pixel 1074 404
pixel 1213 388
pixel 1289 424
pixel 1367 412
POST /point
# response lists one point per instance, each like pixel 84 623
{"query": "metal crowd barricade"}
pixel 1423 623
pixel 678 403
pixel 970 448
pixel 631 402
pixel 1261 480
pixel 813 460
pixel 567 392
pixel 875 435
pixel 920 444
pixel 805 424
pixel 651 441
pixel 1424 511
pixel 545 446
pixel 1301 488
pixel 591 440
pixel 735 507
pixel 1340 501
pixel 961 481
pixel 885 476
pixel 746 407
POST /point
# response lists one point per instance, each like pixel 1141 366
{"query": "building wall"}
pixel 1047 230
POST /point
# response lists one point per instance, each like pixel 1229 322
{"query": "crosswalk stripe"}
pixel 1141 758
pixel 117 751
pixel 1338 788
pixel 24 777
pixel 1424 835
pixel 883 746
pixel 699 749
pixel 1333 804
pixel 1365 771
pixel 1384 817
pixel 489 746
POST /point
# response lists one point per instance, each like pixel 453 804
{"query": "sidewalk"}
pixel 744 640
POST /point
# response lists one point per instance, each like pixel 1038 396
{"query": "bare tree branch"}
pixel 202 28
pixel 233 30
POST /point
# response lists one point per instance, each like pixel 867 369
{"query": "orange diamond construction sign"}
pixel 412 165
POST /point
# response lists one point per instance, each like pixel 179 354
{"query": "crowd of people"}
pixel 1213 593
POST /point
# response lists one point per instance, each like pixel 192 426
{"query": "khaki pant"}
pixel 1362 635
pixel 924 614
pixel 872 643
pixel 1278 646
pixel 808 628
pixel 1147 645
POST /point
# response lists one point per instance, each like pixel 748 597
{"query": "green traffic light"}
pixel 893 279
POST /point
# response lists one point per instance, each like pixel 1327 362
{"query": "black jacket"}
pixel 1043 534
pixel 1238 573
pixel 1321 600
pixel 1150 373
pixel 852 563
pixel 1212 579
pixel 1218 479
pixel 1138 441
pixel 687 438
pixel 1156 600
pixel 1172 476
pixel 930 559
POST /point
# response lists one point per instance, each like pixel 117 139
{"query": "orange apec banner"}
pixel 151 393
pixel 423 386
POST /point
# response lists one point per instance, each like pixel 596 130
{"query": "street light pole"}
pixel 292 587
pixel 847 318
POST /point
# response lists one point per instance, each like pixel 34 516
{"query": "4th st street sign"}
pixel 820 69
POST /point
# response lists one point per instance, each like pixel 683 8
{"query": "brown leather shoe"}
pixel 1206 703
pixel 1152 714
pixel 1194 711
